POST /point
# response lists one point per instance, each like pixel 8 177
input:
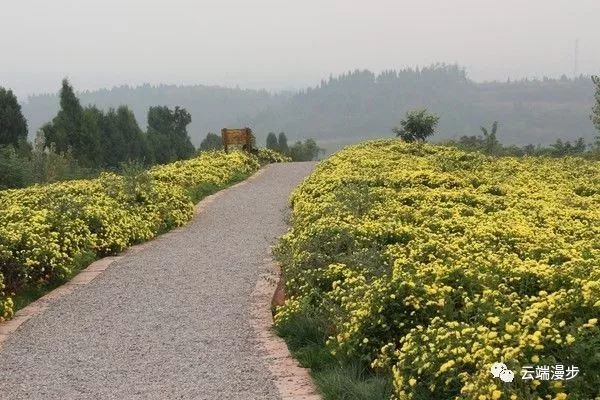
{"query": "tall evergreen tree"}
pixel 91 152
pixel 132 135
pixel 65 130
pixel 596 109
pixel 282 143
pixel 167 134
pixel 272 142
pixel 13 126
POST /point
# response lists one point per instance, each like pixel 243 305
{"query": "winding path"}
pixel 170 320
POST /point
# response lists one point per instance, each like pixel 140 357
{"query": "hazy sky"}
pixel 278 44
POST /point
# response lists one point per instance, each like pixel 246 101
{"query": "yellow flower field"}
pixel 46 230
pixel 433 264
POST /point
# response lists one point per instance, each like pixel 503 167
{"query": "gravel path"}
pixel 169 322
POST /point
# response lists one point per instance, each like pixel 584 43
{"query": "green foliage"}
pixel 489 144
pixel 306 335
pixel 596 108
pixel 15 171
pixel 560 149
pixel 212 141
pixel 272 142
pixel 80 142
pixel 282 143
pixel 305 151
pixel 490 139
pixel 95 139
pixel 65 130
pixel 13 126
pixel 299 151
pixel 417 126
pixel 49 166
pixel 252 142
pixel 167 134
pixel 121 139
pixel 268 156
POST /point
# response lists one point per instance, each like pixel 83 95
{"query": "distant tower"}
pixel 576 67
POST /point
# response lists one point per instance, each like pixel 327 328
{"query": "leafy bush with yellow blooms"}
pixel 432 264
pixel 269 156
pixel 45 230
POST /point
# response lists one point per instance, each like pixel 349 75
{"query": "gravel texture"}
pixel 168 322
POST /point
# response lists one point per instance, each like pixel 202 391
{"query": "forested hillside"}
pixel 362 104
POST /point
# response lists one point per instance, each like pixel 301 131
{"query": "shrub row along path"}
pixel 168 322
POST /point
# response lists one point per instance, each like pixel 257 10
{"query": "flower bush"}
pixel 269 156
pixel 432 264
pixel 45 230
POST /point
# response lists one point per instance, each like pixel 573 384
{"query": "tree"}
pixel 50 166
pixel 212 141
pixel 272 142
pixel 13 126
pixel 133 136
pixel 167 134
pixel 282 143
pixel 65 130
pixel 596 109
pixel 417 126
pixel 490 140
pixel 94 151
pixel 15 171
pixel 122 140
pixel 307 151
pixel 560 148
pixel 471 142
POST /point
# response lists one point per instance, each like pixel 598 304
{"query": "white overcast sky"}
pixel 285 44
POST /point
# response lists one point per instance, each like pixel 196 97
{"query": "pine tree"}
pixel 282 143
pixel 13 126
pixel 65 130
pixel 167 134
pixel 272 142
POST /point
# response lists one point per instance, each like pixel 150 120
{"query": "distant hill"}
pixel 360 105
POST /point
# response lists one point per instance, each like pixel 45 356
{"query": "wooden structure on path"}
pixel 237 137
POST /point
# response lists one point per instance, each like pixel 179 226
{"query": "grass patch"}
pixel 305 335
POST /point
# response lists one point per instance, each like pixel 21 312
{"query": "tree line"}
pixel 80 141
pixel 298 151
pixel 362 104
pixel 418 125
pixel 307 150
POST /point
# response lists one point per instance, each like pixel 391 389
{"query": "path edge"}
pixel 293 382
pixel 97 267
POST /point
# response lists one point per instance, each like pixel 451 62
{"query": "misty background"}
pixel 316 68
